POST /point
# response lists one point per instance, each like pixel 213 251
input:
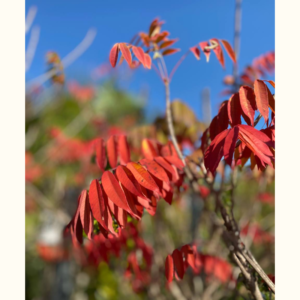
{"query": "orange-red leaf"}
pixel 128 180
pixel 139 53
pixel 167 43
pixel 126 53
pixel 271 82
pixel 85 213
pixel 155 169
pixel 196 51
pixel 262 101
pixel 169 268
pixel 271 101
pixel 147 59
pixel 170 51
pixel 123 148
pixel 229 50
pixel 113 190
pixel 111 146
pixel 142 176
pixel 248 104
pixel 178 262
pixel 113 55
pixel 176 161
pixel 97 203
pixel 148 149
pixel 169 169
pixel 101 159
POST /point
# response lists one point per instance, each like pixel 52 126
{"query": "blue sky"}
pixel 64 23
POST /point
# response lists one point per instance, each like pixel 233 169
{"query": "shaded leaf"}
pixel 261 93
pixel 113 55
pixel 169 268
pixel 126 53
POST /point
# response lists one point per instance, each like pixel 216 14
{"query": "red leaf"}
pixel 219 52
pixel 113 190
pixel 234 109
pixel 113 55
pixel 271 82
pixel 123 148
pixel 169 268
pixel 261 93
pixel 229 50
pixel 223 115
pixel 178 262
pixel 85 212
pixel 128 180
pixel 147 59
pixel 196 51
pixel 229 144
pixel 167 43
pixel 169 169
pixel 170 51
pixel 111 146
pixel 206 51
pixel 126 53
pixel 271 101
pixel 97 203
pixel 189 256
pixel 101 159
pixel 139 53
pixel 214 152
pixel 176 161
pixel 248 104
pixel 155 169
pixel 148 149
pixel 142 176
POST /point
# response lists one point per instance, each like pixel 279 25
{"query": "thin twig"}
pixel 30 18
pixel 33 41
pixel 69 59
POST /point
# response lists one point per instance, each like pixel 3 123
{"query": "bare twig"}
pixel 69 59
pixel 30 18
pixel 34 39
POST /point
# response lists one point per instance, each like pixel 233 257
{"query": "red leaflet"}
pixel 248 104
pixel 139 53
pixel 258 143
pixel 126 53
pixel 170 51
pixel 113 190
pixel 113 55
pixel 148 149
pixel 169 268
pixel 271 82
pixel 178 262
pixel 271 101
pixel 128 180
pixel 223 116
pixel 97 202
pixel 214 152
pixel 142 176
pixel 214 128
pixel 147 59
pixel 219 53
pixel 234 109
pixel 100 154
pixel 176 161
pixel 196 51
pixel 261 93
pixel 169 169
pixel 189 256
pixel 206 51
pixel 155 169
pixel 229 144
pixel 131 202
pixel 229 50
pixel 123 148
pixel 85 212
pixel 111 146
pixel 167 43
